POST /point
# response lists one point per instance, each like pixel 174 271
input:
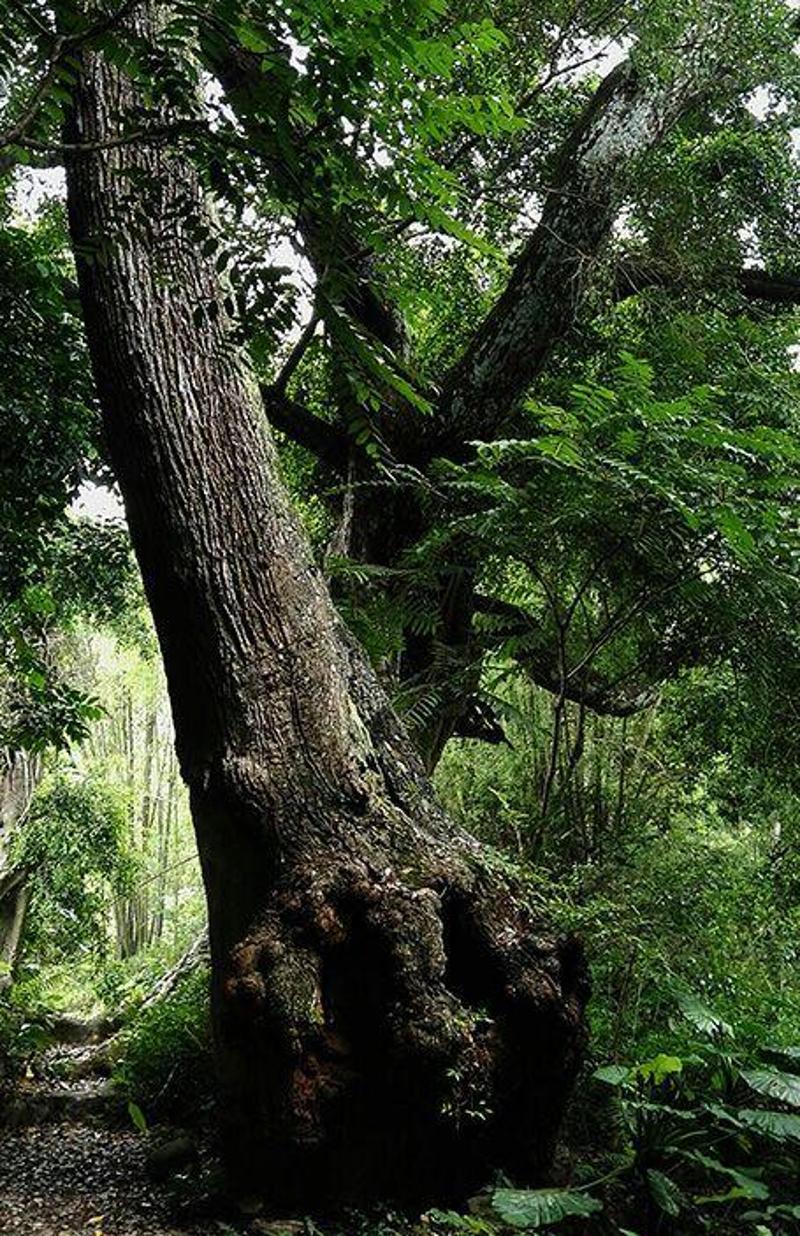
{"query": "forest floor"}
pixel 74 1179
pixel 72 1164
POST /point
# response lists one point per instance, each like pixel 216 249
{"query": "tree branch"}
pixel 541 664
pixel 330 241
pixel 63 44
pixel 633 276
pixel 626 118
pixel 297 353
pixel 329 444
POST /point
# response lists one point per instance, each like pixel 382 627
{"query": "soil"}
pixel 73 1164
pixel 76 1179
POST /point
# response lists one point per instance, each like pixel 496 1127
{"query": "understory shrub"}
pixel 703 1142
pixel 166 1067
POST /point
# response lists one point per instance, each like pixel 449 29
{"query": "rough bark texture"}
pixel 389 1018
pixel 15 896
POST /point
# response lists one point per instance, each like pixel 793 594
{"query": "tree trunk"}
pixel 18 777
pixel 389 1019
pixel 15 895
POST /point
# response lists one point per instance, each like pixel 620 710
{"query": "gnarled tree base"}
pixel 398 1041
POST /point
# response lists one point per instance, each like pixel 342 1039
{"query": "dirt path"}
pixel 71 1165
pixel 78 1180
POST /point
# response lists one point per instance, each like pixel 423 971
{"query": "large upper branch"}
pixel 628 116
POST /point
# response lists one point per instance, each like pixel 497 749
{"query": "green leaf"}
pixel 38 600
pixel 738 536
pixel 451 226
pixel 748 1185
pixel 665 1193
pixel 659 1068
pixel 701 1017
pixel 138 1117
pixel 736 1193
pixel 560 449
pixel 785 1087
pixel 252 39
pixel 780 1126
pixel 532 1208
pixel 612 1074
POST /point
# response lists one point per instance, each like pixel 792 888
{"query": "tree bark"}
pixel 15 895
pixel 18 778
pixel 389 1018
pixel 626 118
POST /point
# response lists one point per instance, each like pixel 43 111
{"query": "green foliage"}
pixel 138 1118
pixel 677 1145
pixel 664 855
pixel 47 419
pixel 166 1066
pixel 22 1037
pixel 623 511
pixel 784 1087
pixel 537 1208
pixel 682 1156
pixel 73 844
pixel 633 535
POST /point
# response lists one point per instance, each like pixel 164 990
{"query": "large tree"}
pixel 389 1017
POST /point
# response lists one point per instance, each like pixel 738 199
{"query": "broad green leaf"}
pixel 612 1074
pixel 749 1185
pixel 785 1087
pixel 532 1208
pixel 659 1068
pixel 702 1017
pixel 780 1126
pixel 665 1193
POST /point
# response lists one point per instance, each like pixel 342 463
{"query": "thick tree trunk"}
pixel 389 1019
